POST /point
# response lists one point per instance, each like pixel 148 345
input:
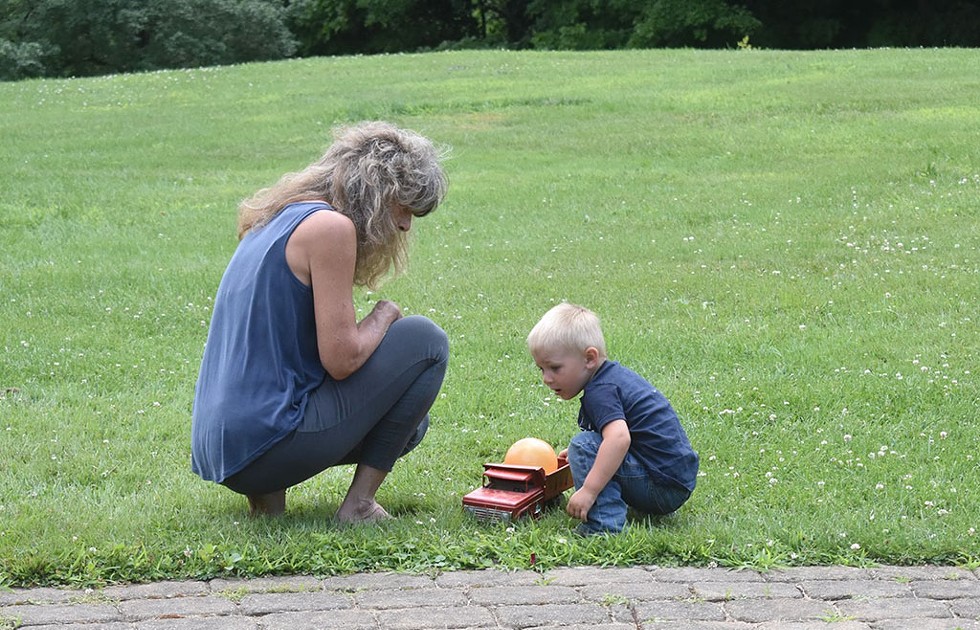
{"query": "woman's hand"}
pixel 386 309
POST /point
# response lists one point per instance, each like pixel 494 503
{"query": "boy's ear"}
pixel 591 356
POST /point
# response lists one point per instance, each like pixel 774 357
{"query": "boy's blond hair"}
pixel 567 327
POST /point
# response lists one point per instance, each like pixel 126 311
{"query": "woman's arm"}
pixel 322 252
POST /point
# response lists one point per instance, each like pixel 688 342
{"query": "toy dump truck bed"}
pixel 511 492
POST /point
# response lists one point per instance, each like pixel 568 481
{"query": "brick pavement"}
pixel 578 598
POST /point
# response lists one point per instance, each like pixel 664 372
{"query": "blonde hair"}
pixel 567 327
pixel 370 169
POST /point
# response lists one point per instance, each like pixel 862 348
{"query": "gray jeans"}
pixel 372 417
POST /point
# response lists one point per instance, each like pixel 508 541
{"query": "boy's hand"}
pixel 615 444
pixel 580 503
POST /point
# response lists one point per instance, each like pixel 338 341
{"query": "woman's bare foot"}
pixel 272 504
pixel 359 506
pixel 367 512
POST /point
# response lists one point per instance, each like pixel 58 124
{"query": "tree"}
pixel 86 37
pixel 420 24
pixel 583 24
pixel 330 27
pixel 592 24
pixel 20 56
pixel 379 26
pixel 503 22
pixel 187 33
pixel 811 24
pixel 696 23
pixel 920 23
pixel 91 37
pixel 20 60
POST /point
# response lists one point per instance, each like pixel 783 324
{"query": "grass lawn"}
pixel 785 243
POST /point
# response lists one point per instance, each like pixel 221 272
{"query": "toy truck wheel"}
pixel 555 502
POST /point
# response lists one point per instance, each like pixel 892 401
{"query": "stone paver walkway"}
pixel 829 598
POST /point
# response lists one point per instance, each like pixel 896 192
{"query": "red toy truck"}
pixel 510 492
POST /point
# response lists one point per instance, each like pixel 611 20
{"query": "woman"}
pixel 290 382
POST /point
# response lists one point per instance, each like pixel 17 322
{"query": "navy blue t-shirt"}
pixel 657 438
pixel 261 359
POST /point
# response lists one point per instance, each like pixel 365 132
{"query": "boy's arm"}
pixel 615 443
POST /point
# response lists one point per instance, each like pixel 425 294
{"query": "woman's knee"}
pixel 426 333
pixel 416 437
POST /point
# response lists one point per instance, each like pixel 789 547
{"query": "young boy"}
pixel 632 451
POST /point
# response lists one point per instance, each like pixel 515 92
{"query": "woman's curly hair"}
pixel 370 169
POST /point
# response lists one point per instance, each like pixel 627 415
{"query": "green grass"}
pixel 786 244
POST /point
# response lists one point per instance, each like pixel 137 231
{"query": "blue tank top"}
pixel 261 359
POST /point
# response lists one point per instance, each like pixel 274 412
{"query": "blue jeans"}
pixel 631 486
pixel 372 417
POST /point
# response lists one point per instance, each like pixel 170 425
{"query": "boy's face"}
pixel 566 371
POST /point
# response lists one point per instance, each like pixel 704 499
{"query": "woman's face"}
pixel 403 218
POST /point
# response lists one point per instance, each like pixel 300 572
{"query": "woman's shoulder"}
pixel 305 206
pixel 321 239
pixel 323 229
pixel 310 202
pixel 326 220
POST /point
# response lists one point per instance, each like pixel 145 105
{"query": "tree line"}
pixel 60 38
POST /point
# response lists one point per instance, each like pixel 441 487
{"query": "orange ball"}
pixel 532 452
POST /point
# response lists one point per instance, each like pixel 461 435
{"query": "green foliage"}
pixel 92 37
pixel 190 33
pixel 379 26
pixel 20 60
pixel 433 22
pixel 696 23
pixel 942 24
pixel 95 37
pixel 785 243
pixel 816 24
pixel 598 24
pixel 583 24
pixel 324 27
pixel 504 22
